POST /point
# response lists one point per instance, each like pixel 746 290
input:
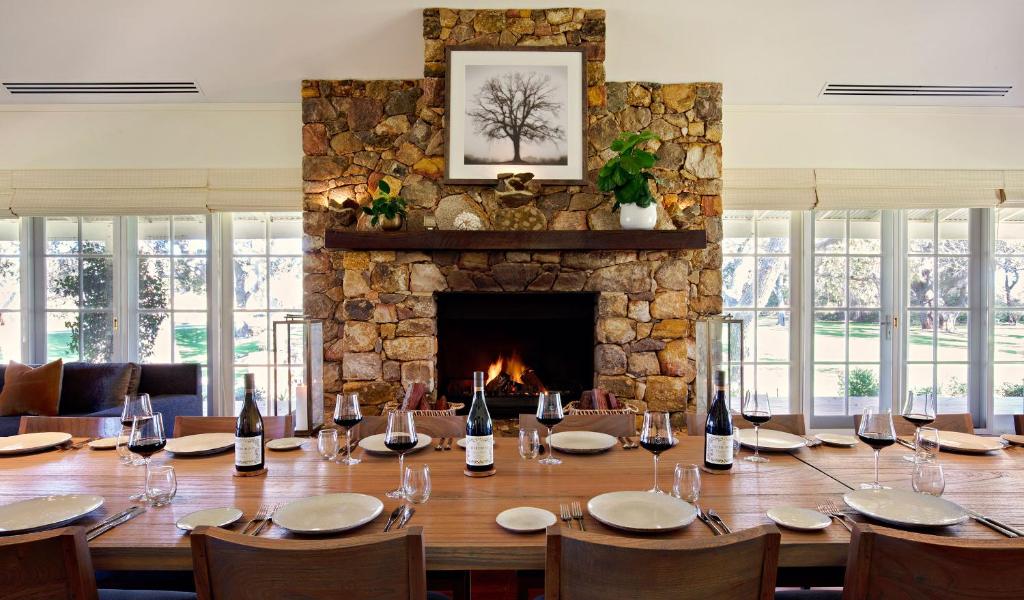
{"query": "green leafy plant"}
pixel 1012 390
pixel 863 383
pixel 384 205
pixel 625 174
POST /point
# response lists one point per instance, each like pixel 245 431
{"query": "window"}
pixel 10 290
pixel 756 271
pixel 1008 321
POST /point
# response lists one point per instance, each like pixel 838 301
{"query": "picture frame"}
pixel 544 88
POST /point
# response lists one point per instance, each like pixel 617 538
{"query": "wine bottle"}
pixel 249 431
pixel 479 432
pixel 718 432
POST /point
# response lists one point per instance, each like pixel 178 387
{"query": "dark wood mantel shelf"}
pixel 436 239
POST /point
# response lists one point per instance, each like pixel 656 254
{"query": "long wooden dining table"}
pixel 459 518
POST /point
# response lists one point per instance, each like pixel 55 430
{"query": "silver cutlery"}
pixel 577 513
pixel 624 442
pixel 566 515
pixel 633 443
pixel 406 515
pixel 124 518
pixel 76 445
pixel 832 509
pixel 905 443
pixel 448 445
pixel 394 517
pixel 704 519
pixel 267 519
pixel 995 524
pixel 812 441
pixel 257 519
pixel 440 445
pixel 112 518
pixel 718 520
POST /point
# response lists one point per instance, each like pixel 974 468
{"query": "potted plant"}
pixel 626 176
pixel 386 210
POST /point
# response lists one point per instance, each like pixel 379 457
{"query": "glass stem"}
pixel 876 468
pixel 757 440
pixel 348 442
pixel 550 449
pixel 145 482
pixel 401 472
pixel 656 473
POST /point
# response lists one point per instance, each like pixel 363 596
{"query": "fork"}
pixel 832 510
pixel 577 513
pixel 566 515
pixel 76 445
pixel 266 519
pixel 260 515
pixel 440 444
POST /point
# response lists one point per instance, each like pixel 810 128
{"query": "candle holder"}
pixel 298 382
pixel 719 348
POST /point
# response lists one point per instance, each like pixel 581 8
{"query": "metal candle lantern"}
pixel 298 348
pixel 719 348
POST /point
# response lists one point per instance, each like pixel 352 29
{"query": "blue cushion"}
pixel 9 425
pixel 169 406
pixel 90 387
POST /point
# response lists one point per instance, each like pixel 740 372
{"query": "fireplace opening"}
pixel 525 343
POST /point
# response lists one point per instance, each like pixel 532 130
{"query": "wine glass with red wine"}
pixel 549 414
pixel 876 430
pixel 146 439
pixel 757 411
pixel 400 438
pixel 657 437
pixel 135 405
pixel 347 415
pixel 919 410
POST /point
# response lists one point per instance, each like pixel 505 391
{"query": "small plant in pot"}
pixel 386 210
pixel 627 177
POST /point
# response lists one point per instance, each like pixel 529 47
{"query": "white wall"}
pixel 269 135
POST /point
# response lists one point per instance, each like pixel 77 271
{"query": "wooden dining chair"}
pixel 76 426
pixel 385 566
pixel 960 422
pixel 435 426
pixel 273 427
pixel 49 564
pixel 593 566
pixel 1018 424
pixel 617 425
pixel 889 563
pixel 788 423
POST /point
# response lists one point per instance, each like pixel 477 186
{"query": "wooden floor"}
pixel 458 520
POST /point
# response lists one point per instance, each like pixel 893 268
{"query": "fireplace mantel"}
pixel 517 240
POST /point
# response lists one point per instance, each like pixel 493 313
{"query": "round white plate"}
pixel 582 442
pixel 461 442
pixel 288 443
pixel 523 519
pixel 375 443
pixel 107 443
pixel 771 440
pixel 903 507
pixel 200 444
pixel 32 442
pixel 45 512
pixel 966 442
pixel 328 514
pixel 214 517
pixel 803 519
pixel 1016 440
pixel 835 439
pixel 641 511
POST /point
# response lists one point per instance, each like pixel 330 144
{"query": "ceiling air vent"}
pixel 103 87
pixel 862 89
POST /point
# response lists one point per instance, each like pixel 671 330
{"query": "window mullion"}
pixel 981 298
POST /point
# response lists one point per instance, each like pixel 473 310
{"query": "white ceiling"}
pixel 765 52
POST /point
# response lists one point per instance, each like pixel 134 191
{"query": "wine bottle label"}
pixel 247 451
pixel 718 449
pixel 479 450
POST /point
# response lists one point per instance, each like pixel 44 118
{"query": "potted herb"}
pixel 626 176
pixel 386 210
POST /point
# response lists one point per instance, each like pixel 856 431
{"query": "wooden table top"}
pixel 458 520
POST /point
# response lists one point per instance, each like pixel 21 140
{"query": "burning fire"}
pixel 512 366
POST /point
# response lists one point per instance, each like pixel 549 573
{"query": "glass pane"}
pixel 865 281
pixel 286 283
pixel 249 233
pixel 97 282
pixel 830 232
pixel 862 387
pixel 920 276
pixel 773 233
pixel 251 338
pixel 97 235
pixel 774 381
pixel 155 337
pixel 829 337
pixel 190 235
pixel 97 337
pixel 829 386
pixel 62 283
pixel 10 283
pixel 738 281
pixel 62 336
pixel 921 231
pixel 10 236
pixel 953 231
pixel 250 283
pixel 951 336
pixel 154 283
pixel 154 235
pixel 952 389
pixel 1009 389
pixel 738 232
pixel 953 281
pixel 10 337
pixel 773 281
pixel 286 234
pixel 262 376
pixel 1008 287
pixel 1009 231
pixel 749 338
pixel 920 335
pixel 190 283
pixel 61 235
pixel 829 280
pixel 773 336
pixel 865 335
pixel 190 337
pixel 866 232
pixel 1009 336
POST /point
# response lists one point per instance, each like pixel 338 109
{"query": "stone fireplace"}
pixel 381 305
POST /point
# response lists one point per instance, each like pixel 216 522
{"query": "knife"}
pixel 406 515
pixel 394 517
pixel 905 443
pixel 718 520
pixel 999 526
pixel 111 518
pixel 704 519
pixel 131 514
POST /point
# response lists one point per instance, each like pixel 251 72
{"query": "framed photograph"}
pixel 516 110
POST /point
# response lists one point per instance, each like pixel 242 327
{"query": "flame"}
pixel 513 366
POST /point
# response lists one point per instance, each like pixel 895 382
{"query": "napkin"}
pixel 415 396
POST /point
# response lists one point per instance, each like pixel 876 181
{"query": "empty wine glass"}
pixel 146 439
pixel 686 484
pixel 926 441
pixel 919 409
pixel 657 437
pixel 756 410
pixel 161 485
pixel 549 414
pixel 876 430
pixel 327 443
pixel 347 414
pixel 135 405
pixel 928 479
pixel 400 438
pixel 529 443
pixel 417 484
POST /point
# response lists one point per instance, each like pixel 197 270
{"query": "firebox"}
pixel 525 342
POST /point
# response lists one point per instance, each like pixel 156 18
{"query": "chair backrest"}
pixel 960 422
pixel 622 425
pixel 888 563
pixel 273 427
pixel 76 426
pixel 740 566
pixel 789 423
pixel 386 566
pixel 1018 424
pixel 434 426
pixel 47 566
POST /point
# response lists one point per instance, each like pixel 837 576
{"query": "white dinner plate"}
pixel 288 443
pixel 801 519
pixel 375 444
pixel 213 517
pixel 771 440
pixel 523 519
pixel 1016 440
pixel 46 512
pixel 903 507
pixel 838 440
pixel 641 511
pixel 461 442
pixel 966 442
pixel 107 443
pixel 32 442
pixel 201 444
pixel 328 514
pixel 582 442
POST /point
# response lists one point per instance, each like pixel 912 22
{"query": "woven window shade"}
pixel 5 193
pixel 255 190
pixel 1014 190
pixel 907 188
pixel 107 202
pixel 768 189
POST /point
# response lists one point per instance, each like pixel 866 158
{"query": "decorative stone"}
pixel 639 310
pixel 387 277
pixel 629 277
pixel 421 192
pixel 616 94
pixel 431 166
pixel 612 304
pixel 415 327
pixel 678 97
pixel 375 393
pixel 410 348
pixel 320 168
pixel 710 282
pixel 645 345
pixel 568 220
pixel 669 305
pixel 673 358
pixel 318 306
pixel 346 143
pixel 392 370
pixel 665 393
pixel 670 156
pixel 426 277
pixel 357 310
pixel 385 313
pixel 523 218
pixel 620 385
pixel 403 102
pixel 360 336
pixel 362 366
pixel 704 160
pixel 603 133
pixel 557 16
pixel 634 118
pixel 451 207
pixel 569 282
pixel 418 371
pixel 642 364
pixel 638 95
pixel 314 139
pixel 609 359
pixel 615 330
pixel 673 274
pixel 511 190
pixel 363 114
pixel 671 329
pixel 602 219
pixel 514 277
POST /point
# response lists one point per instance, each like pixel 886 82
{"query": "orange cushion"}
pixel 29 391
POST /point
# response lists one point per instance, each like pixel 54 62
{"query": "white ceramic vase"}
pixel 632 216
